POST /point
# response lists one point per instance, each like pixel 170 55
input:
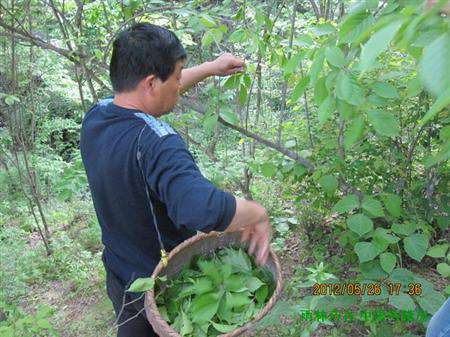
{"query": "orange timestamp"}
pixel 361 289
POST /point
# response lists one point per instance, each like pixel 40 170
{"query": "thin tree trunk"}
pixel 284 86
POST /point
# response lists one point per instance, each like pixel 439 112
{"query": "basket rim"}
pixel 153 314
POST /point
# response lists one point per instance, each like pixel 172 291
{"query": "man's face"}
pixel 167 93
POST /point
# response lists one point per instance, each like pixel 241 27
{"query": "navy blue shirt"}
pixel 184 201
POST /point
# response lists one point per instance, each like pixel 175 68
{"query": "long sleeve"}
pixel 192 200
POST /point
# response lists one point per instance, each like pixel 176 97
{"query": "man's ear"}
pixel 149 83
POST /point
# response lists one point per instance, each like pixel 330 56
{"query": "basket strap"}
pixel 155 222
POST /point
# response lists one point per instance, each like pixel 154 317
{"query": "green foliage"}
pixel 213 295
pixel 19 324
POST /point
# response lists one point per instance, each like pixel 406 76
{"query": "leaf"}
pixel 229 116
pixel 320 91
pixel 207 39
pixel 329 183
pixel 316 66
pixel 438 250
pixel 372 206
pixel 393 204
pixel 237 258
pixel 335 56
pixel 443 269
pixel 268 170
pixel 186 325
pixel 326 109
pixel 372 270
pixel 434 65
pixel 236 283
pixel 353 26
pixel 406 228
pixel 378 43
pixel 141 284
pixel 385 90
pixel 236 300
pixel 431 302
pixel 416 246
pixel 292 64
pixel 384 123
pixel 253 284
pixel 323 29
pixel 233 81
pixel 11 99
pixel 346 204
pixel 387 262
pixel 402 301
pixel 204 307
pixel 360 224
pixel 441 102
pixel 261 294
pixel 44 324
pixel 224 328
pixel 207 21
pixel 414 87
pixel 348 89
pixel 243 93
pixel 366 251
pixel 354 132
pixel 299 89
pixel 384 235
pixel 209 122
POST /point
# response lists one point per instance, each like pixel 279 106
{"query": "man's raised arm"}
pixel 226 64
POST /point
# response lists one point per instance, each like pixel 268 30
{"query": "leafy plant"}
pixel 214 294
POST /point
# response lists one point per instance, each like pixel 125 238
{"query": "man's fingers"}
pixel 263 250
pixel 245 236
pixel 253 244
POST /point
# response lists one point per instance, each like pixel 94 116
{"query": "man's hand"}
pixel 226 64
pixel 252 220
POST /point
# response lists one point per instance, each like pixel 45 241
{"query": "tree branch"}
pixel 189 103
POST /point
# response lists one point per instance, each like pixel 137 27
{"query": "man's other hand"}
pixel 252 221
pixel 226 64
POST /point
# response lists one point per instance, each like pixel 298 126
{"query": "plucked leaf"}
pixel 204 307
pixel 141 284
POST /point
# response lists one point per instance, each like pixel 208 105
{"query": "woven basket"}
pixel 182 254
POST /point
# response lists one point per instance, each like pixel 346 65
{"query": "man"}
pixel 147 75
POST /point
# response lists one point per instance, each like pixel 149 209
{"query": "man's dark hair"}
pixel 142 50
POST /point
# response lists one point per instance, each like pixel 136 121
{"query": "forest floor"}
pixel 86 311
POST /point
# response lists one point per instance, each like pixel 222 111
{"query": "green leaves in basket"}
pixel 215 294
pixel 141 284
